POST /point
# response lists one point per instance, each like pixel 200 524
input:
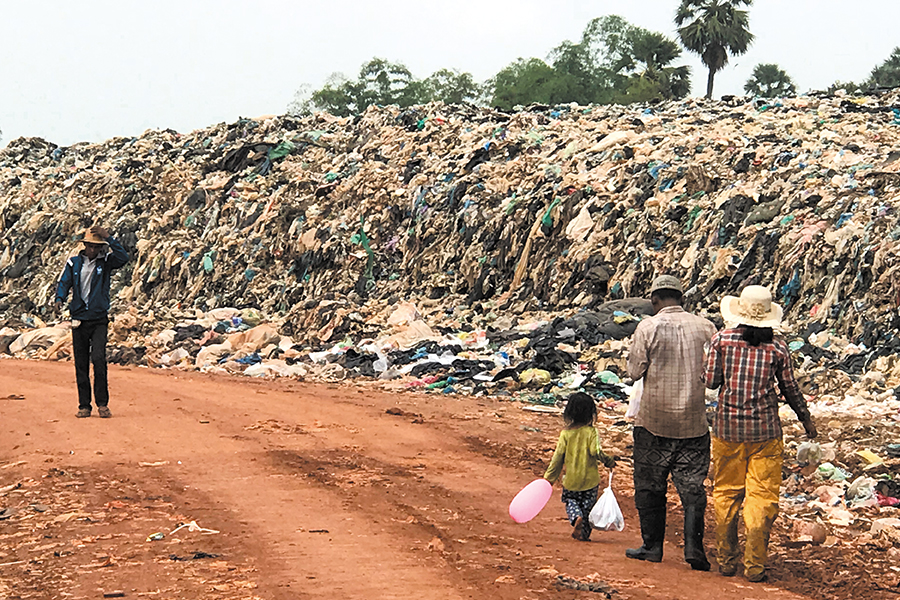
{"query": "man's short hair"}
pixel 667 294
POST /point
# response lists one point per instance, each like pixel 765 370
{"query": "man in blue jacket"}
pixel 88 276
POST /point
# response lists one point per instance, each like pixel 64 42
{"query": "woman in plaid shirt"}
pixel 745 363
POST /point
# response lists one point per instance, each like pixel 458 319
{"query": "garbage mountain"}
pixel 321 222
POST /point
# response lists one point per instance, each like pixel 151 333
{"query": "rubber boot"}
pixel 694 554
pixel 653 531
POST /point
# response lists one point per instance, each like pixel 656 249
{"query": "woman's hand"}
pixel 810 427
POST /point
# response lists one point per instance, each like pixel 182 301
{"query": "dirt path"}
pixel 315 490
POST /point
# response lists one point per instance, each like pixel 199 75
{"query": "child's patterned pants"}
pixel 579 504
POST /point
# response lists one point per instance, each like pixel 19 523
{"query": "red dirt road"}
pixel 315 491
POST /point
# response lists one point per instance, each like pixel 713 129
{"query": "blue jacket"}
pixel 97 305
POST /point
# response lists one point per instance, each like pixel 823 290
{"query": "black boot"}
pixel 694 554
pixel 653 530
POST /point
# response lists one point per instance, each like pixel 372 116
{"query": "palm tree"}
pixel 630 63
pixel 652 54
pixel 770 81
pixel 714 29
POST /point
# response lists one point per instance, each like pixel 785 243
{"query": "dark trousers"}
pixel 655 458
pixel 89 348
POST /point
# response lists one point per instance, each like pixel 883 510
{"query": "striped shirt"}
pixel 667 351
pixel 746 378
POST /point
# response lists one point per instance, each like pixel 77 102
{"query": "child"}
pixel 579 449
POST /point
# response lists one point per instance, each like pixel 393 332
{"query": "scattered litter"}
pixel 194 556
pixel 193 527
pixel 585 586
pixel 15 562
pixel 8 488
pixel 8 512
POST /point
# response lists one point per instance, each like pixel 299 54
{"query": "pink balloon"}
pixel 529 502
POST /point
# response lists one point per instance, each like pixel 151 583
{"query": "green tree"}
pixel 651 55
pixel 531 81
pixel 613 62
pixel 339 96
pixel 632 64
pixel 770 81
pixel 451 86
pixel 714 29
pixel 383 83
pixel 573 64
pixel 887 74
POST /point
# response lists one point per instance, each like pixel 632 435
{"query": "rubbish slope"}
pixel 546 209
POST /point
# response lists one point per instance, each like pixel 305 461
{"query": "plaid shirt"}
pixel 748 398
pixel 667 351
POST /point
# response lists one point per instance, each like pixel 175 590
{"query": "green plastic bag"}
pixel 281 150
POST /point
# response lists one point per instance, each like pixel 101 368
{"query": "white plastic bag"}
pixel 634 405
pixel 606 514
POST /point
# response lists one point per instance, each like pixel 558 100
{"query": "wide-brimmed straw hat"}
pixel 754 308
pixel 92 238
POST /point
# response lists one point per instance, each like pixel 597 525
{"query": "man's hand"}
pixel 810 427
pixel 100 231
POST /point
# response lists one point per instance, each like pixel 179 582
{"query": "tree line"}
pixel 614 62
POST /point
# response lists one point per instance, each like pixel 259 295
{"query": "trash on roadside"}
pixel 193 527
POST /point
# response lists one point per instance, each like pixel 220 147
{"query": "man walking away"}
pixel 88 275
pixel 671 435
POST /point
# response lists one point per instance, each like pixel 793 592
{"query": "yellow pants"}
pixel 748 473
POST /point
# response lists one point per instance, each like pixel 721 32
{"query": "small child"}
pixel 579 449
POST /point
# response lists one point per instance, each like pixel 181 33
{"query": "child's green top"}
pixel 579 449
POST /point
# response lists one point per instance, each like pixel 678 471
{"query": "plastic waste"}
pixel 861 490
pixel 192 526
pixel 832 473
pixel 537 377
pixel 606 514
pixel 809 453
pixel 634 402
pixel 870 457
pixel 609 377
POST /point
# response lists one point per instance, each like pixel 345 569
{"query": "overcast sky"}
pixel 89 70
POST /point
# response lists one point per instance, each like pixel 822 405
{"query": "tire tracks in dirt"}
pixel 327 494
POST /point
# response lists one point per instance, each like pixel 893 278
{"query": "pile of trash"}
pixel 845 490
pixel 511 232
pixel 539 359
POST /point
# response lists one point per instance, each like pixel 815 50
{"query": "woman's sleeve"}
pixel 784 372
